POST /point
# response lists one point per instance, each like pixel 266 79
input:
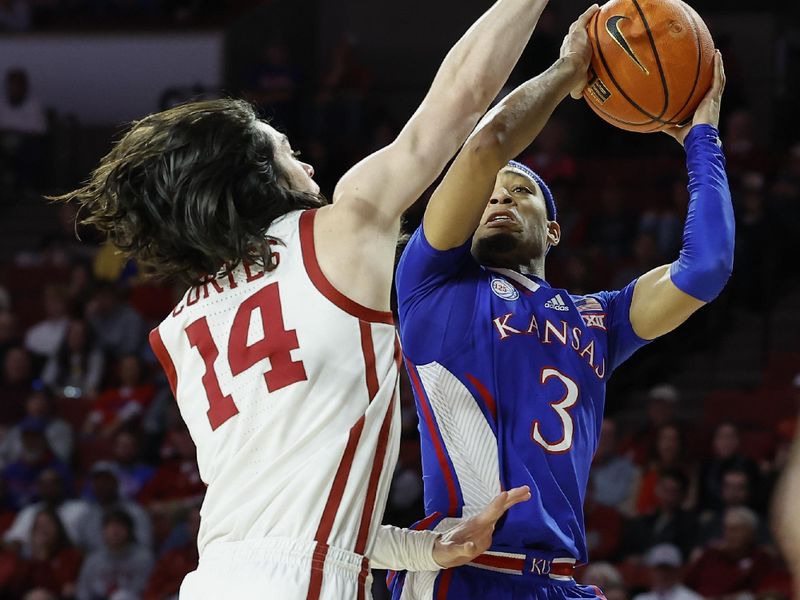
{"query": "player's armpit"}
pixel 658 306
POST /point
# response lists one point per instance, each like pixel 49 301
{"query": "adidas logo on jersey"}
pixel 556 303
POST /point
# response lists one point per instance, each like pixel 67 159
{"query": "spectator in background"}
pixel 737 490
pixel 76 369
pixel 39 406
pixel 52 497
pixel 175 564
pixel 44 338
pixel 176 486
pixel 21 476
pixel 665 565
pixel 15 385
pixel 605 576
pixel 274 84
pixel 611 227
pixel 5 300
pixel 743 151
pixel 9 334
pixel 15 15
pixel 22 126
pixel 548 155
pixel 669 452
pixel 54 563
pixel 666 225
pixel 104 490
pixel 123 405
pixel 118 328
pixel 662 403
pixel 120 567
pixel 669 523
pixel 755 254
pixel 338 111
pixel 613 478
pixel 727 455
pixel 736 563
pixel 644 258
pixel 604 527
pixel 132 473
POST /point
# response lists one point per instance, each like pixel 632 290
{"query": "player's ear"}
pixel 553 233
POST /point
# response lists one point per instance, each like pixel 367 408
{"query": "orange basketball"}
pixel 652 63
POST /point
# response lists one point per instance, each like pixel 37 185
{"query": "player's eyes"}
pixel 521 190
pixel 296 153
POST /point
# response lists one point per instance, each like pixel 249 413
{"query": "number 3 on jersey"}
pixel 276 345
pixel 562 410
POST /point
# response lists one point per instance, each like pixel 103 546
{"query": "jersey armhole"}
pixel 323 285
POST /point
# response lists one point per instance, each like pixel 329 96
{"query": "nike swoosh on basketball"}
pixel 612 27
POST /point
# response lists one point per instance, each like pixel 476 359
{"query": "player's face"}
pixel 514 228
pixel 298 174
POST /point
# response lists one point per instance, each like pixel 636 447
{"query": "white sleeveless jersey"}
pixel 290 392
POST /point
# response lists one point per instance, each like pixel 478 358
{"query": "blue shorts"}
pixel 531 582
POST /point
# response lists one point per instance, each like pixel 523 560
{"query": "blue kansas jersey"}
pixel 509 377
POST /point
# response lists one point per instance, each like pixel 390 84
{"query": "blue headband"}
pixel 548 195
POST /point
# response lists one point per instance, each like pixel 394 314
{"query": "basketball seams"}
pixel 613 81
pixel 658 60
pixel 694 26
pixel 667 116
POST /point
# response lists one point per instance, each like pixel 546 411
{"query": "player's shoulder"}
pixel 593 301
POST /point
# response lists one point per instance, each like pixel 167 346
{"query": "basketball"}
pixel 652 63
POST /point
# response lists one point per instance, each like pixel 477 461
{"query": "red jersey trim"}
pixel 487 397
pixel 368 350
pixel 162 354
pixel 324 286
pixel 438 443
pixel 374 480
pixel 331 509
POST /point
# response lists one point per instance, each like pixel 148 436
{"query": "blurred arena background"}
pixel 99 488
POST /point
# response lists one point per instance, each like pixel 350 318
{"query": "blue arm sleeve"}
pixel 706 259
pixel 435 298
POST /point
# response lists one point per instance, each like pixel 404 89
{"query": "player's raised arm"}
pixel 456 207
pixel 386 183
pixel 666 296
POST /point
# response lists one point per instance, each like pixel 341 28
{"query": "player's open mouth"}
pixel 501 218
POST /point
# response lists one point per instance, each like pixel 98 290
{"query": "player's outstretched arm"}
pixel 382 186
pixel 668 295
pixel 405 550
pixel 456 206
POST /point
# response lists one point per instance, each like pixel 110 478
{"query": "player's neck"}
pixel 534 267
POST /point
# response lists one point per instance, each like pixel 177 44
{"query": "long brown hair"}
pixel 190 192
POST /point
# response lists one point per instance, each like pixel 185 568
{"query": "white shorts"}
pixel 274 569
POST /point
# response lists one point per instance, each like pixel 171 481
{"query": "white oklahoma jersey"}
pixel 290 392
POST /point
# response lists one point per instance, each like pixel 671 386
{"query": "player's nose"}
pixel 309 169
pixel 501 197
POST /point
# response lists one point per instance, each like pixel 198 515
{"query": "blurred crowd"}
pixel 100 492
pixel 17 16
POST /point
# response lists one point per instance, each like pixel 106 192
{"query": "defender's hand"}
pixel 577 49
pixel 472 537
pixel 708 110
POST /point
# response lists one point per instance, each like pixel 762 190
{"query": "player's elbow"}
pixel 703 279
pixel 487 145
